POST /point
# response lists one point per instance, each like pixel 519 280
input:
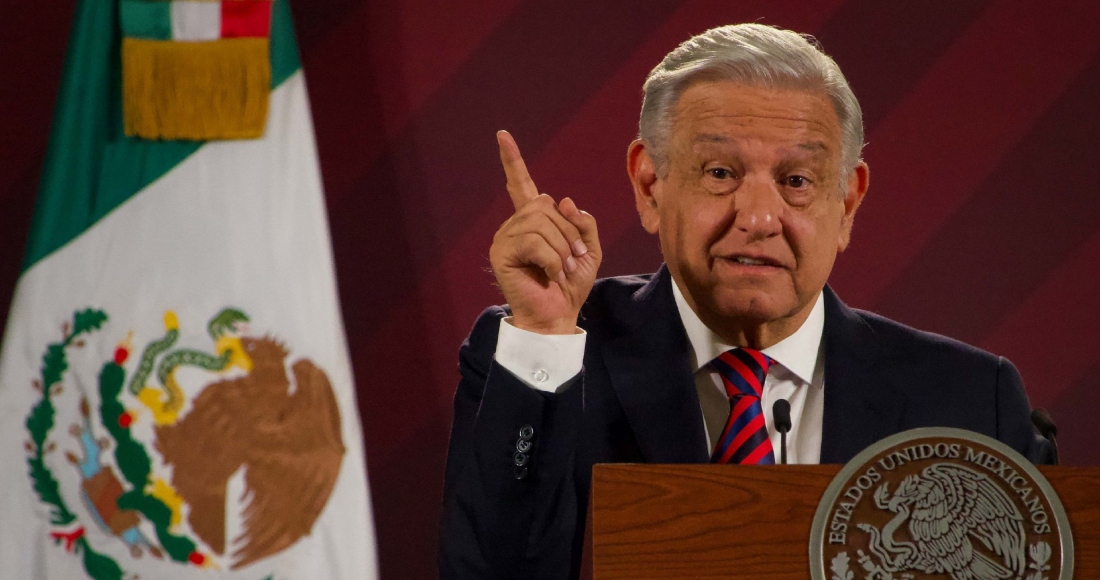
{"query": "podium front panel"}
pixel 753 521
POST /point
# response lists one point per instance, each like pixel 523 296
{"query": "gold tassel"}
pixel 195 90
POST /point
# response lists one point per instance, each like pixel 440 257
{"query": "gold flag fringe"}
pixel 195 90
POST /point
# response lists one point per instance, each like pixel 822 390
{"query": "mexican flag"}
pixel 176 399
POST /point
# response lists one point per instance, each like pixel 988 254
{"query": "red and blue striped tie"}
pixel 745 438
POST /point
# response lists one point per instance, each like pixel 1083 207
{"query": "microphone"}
pixel 1045 424
pixel 781 414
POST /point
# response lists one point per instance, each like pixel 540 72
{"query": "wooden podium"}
pixel 722 521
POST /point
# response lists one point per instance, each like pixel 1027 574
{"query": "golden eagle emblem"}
pixel 280 428
pixel 286 439
pixel 249 441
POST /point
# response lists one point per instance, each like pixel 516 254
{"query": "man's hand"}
pixel 546 255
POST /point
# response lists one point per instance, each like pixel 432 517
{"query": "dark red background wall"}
pixel 983 219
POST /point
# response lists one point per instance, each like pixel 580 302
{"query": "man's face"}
pixel 751 212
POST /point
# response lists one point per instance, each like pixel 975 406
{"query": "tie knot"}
pixel 743 371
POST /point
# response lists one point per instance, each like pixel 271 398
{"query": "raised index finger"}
pixel 520 186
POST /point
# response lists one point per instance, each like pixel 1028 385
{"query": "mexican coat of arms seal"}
pixel 940 503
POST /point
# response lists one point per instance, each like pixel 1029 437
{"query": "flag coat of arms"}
pixel 176 399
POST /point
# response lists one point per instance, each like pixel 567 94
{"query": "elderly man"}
pixel 748 169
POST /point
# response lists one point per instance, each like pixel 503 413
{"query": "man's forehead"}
pixel 725 106
pixel 808 146
pixel 811 149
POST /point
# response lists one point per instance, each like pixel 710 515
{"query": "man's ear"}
pixel 643 176
pixel 856 188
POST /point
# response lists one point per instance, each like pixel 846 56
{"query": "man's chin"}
pixel 741 301
pixel 753 307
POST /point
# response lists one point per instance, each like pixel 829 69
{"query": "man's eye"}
pixel 720 173
pixel 796 182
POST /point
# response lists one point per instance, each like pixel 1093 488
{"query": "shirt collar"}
pixel 798 353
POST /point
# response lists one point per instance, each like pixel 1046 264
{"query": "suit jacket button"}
pixel 519 472
pixel 523 446
pixel 526 432
pixel 520 459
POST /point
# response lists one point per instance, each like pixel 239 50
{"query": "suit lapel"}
pixel 858 409
pixel 650 370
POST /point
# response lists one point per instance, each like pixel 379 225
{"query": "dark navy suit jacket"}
pixel 635 401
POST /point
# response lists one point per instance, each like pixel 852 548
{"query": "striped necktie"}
pixel 745 438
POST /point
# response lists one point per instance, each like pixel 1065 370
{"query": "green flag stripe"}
pixel 91 166
pixel 284 48
pixel 144 19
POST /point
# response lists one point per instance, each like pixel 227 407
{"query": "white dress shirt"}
pixel 546 362
pixel 798 375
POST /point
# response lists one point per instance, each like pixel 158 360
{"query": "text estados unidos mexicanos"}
pixel 1033 501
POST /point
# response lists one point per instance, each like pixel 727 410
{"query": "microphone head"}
pixel 1041 418
pixel 781 414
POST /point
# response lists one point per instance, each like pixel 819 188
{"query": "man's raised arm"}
pixel 509 499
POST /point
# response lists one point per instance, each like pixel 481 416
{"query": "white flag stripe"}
pixel 196 20
pixel 223 228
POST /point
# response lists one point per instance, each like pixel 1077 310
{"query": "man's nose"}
pixel 757 205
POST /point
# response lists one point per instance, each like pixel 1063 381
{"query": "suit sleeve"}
pixel 509 499
pixel 1014 426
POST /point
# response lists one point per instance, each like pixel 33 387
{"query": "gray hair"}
pixel 754 55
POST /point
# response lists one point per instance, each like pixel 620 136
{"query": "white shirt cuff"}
pixel 543 361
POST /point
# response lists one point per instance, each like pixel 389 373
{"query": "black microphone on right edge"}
pixel 1045 424
pixel 781 414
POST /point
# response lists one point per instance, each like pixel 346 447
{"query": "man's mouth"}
pixel 754 261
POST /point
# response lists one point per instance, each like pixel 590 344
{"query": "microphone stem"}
pixel 783 447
